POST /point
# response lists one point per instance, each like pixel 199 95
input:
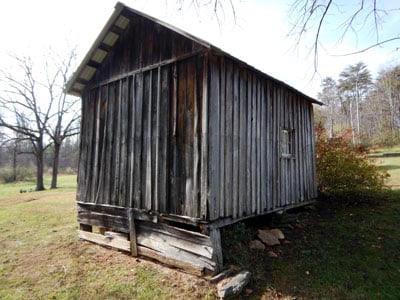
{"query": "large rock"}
pixel 256 244
pixel 222 275
pixel 234 285
pixel 278 233
pixel 267 237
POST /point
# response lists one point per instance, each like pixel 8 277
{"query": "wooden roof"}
pixel 110 34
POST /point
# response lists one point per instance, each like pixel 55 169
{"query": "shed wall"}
pixel 140 140
pixel 200 137
pixel 143 44
pixel 248 175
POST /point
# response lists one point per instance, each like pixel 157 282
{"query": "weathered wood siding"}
pixel 142 45
pixel 248 175
pixel 199 137
pixel 140 140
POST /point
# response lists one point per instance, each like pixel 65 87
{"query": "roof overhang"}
pixel 115 26
pixel 111 32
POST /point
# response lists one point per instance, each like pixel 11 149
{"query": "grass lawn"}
pixel 329 252
pixel 42 258
pixel 392 165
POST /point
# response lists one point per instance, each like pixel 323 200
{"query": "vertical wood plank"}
pixel 258 143
pixel 96 142
pixel 173 171
pixel 254 146
pixel 157 130
pixel 312 156
pixel 123 160
pixel 154 135
pixel 214 138
pixel 249 143
pixel 263 149
pixel 242 143
pixel 215 236
pixel 223 104
pixel 118 144
pixel 196 156
pixel 204 141
pixel 110 141
pixel 164 133
pixel 82 152
pixel 148 149
pixel 275 148
pixel 227 140
pixel 138 141
pixel 182 155
pixel 132 124
pixel 270 143
pixel 235 144
pixel 99 191
pixel 89 147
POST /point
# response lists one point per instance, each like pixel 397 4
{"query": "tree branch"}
pixel 369 47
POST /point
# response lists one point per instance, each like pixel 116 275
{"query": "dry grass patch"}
pixel 41 257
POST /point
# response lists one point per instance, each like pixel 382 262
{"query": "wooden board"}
pixel 195 252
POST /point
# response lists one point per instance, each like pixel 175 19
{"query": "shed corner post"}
pixel 215 236
pixel 132 232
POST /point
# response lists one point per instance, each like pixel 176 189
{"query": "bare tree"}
pixel 21 99
pixel 35 106
pixel 313 16
pixel 64 122
pixel 219 7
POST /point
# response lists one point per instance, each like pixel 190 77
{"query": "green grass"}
pixel 388 163
pixel 330 252
pixel 65 182
pixel 41 256
pixel 392 165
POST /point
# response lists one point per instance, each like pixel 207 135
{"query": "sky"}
pixel 257 32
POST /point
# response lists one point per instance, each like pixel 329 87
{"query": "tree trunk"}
pixel 352 123
pixel 56 159
pixel 331 132
pixel 39 153
pixel 14 164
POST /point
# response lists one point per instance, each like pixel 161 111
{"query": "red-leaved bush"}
pixel 341 167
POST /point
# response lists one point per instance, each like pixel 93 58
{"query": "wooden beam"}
pixel 147 68
pixel 215 236
pixel 93 64
pixel 105 47
pixel 132 233
pixel 82 81
pixel 117 30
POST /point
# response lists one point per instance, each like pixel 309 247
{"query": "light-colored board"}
pixel 115 242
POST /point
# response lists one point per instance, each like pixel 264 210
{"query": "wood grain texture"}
pixel 200 137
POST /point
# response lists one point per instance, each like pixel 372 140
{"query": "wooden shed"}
pixel 179 138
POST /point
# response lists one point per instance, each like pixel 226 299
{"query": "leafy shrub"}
pixel 7 175
pixel 343 168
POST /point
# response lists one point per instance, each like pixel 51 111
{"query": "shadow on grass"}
pixel 390 167
pixel 329 251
